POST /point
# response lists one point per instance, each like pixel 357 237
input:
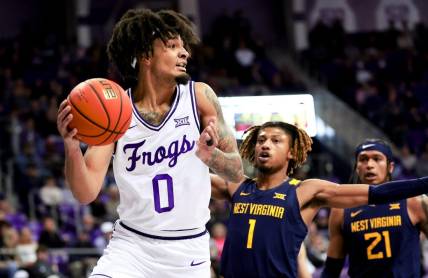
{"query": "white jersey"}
pixel 164 187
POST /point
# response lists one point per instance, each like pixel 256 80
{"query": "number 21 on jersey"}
pixel 376 238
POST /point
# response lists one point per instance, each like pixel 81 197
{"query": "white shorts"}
pixel 129 255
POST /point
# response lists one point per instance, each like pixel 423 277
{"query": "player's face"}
pixel 372 167
pixel 272 150
pixel 169 60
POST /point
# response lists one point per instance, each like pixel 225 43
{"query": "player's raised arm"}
pixel 84 174
pixel 221 153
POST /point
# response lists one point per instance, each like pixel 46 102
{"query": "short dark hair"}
pixel 385 149
pixel 134 34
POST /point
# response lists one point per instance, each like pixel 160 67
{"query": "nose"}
pixel 184 54
pixel 370 163
pixel 265 145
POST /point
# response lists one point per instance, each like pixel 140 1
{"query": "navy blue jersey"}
pixel 265 232
pixel 381 241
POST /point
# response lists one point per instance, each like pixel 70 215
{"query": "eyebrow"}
pixel 370 156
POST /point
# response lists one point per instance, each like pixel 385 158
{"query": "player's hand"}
pixel 208 141
pixel 63 119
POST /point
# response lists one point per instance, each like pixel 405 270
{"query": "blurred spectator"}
pixel 8 241
pixel 112 202
pixel 422 165
pixel 26 248
pixel 98 207
pixel 218 236
pixel 50 193
pixel 80 265
pixel 316 245
pixel 51 196
pixel 90 226
pixel 408 159
pixel 245 59
pixel 102 240
pixel 49 235
pixel 42 268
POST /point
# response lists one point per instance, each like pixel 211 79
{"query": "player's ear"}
pixel 391 167
pixel 290 155
pixel 145 60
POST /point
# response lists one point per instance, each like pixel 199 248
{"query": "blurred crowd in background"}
pixel 382 75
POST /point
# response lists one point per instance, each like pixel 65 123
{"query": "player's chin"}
pixel 265 169
pixel 182 78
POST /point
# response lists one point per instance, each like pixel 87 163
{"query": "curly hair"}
pixel 134 34
pixel 300 145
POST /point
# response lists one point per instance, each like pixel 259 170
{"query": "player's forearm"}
pixel 333 267
pixel 226 165
pixel 397 190
pixel 83 186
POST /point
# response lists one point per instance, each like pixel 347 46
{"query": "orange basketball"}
pixel 101 111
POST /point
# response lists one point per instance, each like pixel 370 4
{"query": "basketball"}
pixel 101 111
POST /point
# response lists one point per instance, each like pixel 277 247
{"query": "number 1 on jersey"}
pixel 252 223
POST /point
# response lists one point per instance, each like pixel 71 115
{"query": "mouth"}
pixel 370 176
pixel 263 156
pixel 181 66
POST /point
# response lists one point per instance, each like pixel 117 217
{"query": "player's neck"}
pixel 269 181
pixel 154 91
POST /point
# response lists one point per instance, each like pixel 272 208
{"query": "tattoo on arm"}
pixel 225 160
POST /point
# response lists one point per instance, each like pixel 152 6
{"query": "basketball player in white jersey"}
pixel 161 164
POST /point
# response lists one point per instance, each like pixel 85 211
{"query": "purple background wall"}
pixel 265 16
pixel 365 11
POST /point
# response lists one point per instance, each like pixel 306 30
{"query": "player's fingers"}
pixel 63 115
pixel 72 133
pixel 211 135
pixel 63 104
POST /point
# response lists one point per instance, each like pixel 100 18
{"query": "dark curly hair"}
pixel 134 34
pixel 300 145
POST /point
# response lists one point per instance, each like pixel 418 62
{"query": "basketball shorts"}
pixel 129 255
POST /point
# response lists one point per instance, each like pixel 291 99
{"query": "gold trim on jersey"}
pixel 294 182
pixel 394 206
pixel 280 196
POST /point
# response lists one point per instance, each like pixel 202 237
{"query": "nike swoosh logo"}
pixel 355 213
pixel 367 146
pixel 244 194
pixel 195 264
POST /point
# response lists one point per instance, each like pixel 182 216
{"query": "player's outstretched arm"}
pixel 221 153
pixel 84 174
pixel 336 250
pixel 325 193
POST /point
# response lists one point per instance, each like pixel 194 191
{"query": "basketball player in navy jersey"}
pixel 161 164
pixel 270 214
pixel 380 240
